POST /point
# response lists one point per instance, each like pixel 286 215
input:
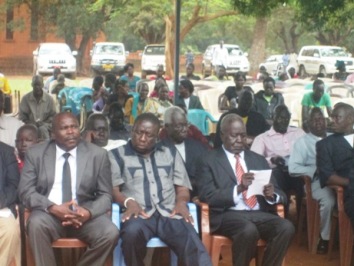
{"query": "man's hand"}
pixel 278 161
pixel 74 220
pixel 246 181
pixel 133 209
pixel 182 209
pixel 62 211
pixel 268 192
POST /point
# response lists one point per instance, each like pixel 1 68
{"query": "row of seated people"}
pixel 152 209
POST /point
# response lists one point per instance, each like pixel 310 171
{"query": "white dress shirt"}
pixel 186 102
pixel 181 148
pixel 349 138
pixel 55 194
pixel 240 205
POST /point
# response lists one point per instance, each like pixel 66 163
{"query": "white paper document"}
pixel 261 178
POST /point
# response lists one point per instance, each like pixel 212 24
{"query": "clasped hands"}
pixel 134 210
pixel 75 217
pixel 246 181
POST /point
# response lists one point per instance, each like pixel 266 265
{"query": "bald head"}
pixel 228 119
pixel 233 133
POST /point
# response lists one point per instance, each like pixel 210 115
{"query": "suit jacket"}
pixel 194 102
pixel 335 156
pixel 216 180
pixel 9 177
pixel 93 181
pixel 194 151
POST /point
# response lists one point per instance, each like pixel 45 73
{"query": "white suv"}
pixel 237 59
pixel 322 59
pixel 48 56
pixel 153 55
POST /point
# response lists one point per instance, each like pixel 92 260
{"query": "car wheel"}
pixel 302 71
pixel 323 71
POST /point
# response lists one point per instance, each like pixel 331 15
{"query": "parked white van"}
pixel 153 55
pixel 107 57
pixel 322 59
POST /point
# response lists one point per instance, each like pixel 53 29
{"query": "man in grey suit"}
pixel 66 183
pixel 223 178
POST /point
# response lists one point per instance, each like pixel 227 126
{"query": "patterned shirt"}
pixel 149 180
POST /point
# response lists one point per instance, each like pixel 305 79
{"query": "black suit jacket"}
pixel 216 180
pixel 335 156
pixel 194 151
pixel 9 177
pixel 194 102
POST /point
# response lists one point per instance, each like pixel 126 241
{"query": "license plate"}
pixel 107 66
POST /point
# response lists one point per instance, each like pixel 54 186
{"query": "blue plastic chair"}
pixel 154 242
pixel 135 103
pixel 200 118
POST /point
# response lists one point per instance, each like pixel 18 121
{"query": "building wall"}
pixel 16 54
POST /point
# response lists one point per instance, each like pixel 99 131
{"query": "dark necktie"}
pixel 66 182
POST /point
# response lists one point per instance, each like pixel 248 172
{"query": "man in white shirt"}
pixel 8 125
pixel 223 178
pixel 220 56
pixel 66 183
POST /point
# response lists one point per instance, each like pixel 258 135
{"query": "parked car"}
pixel 322 59
pixel 237 60
pixel 272 64
pixel 48 56
pixel 152 56
pixel 107 57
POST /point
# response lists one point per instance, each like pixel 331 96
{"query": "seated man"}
pixel 151 182
pixel 223 177
pixel 26 137
pixel 97 132
pixel 276 145
pixel 37 107
pixel 317 98
pixel 56 73
pixel 119 129
pixel 335 160
pixel 176 125
pixel 267 100
pixel 254 121
pixel 66 183
pixel 10 249
pixel 8 124
pixel 303 162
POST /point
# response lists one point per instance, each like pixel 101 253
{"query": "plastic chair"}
pixel 200 118
pixel 312 216
pixel 345 231
pixel 214 243
pixel 135 103
pixel 155 242
pixel 66 242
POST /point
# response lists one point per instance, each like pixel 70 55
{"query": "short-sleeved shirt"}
pixel 324 102
pixel 149 180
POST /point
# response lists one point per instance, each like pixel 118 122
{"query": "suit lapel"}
pixel 49 164
pixel 81 160
pixel 221 159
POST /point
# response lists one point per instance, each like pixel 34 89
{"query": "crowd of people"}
pixel 140 151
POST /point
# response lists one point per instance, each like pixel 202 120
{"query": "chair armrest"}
pixel 340 196
pixel 193 211
pixel 116 214
pixel 205 223
pixel 211 118
pixel 307 181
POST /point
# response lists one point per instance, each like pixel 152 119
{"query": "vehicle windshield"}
pixel 333 52
pixel 234 50
pixel 108 49
pixel 54 49
pixel 155 50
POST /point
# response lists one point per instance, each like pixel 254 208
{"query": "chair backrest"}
pixel 135 103
pixel 199 118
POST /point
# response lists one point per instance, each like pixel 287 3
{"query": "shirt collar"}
pixel 60 152
pixel 314 136
pixel 32 98
pixel 272 132
pixel 230 155
pixel 129 149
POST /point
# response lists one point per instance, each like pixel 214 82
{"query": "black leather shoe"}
pixel 322 247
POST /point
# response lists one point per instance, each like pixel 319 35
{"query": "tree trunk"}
pixel 257 52
pixel 81 53
pixel 169 46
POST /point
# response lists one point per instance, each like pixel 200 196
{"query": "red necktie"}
pixel 252 201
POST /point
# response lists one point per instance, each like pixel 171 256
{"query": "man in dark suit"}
pixel 224 176
pixel 9 230
pixel 186 97
pixel 66 183
pixel 335 155
pixel 176 125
